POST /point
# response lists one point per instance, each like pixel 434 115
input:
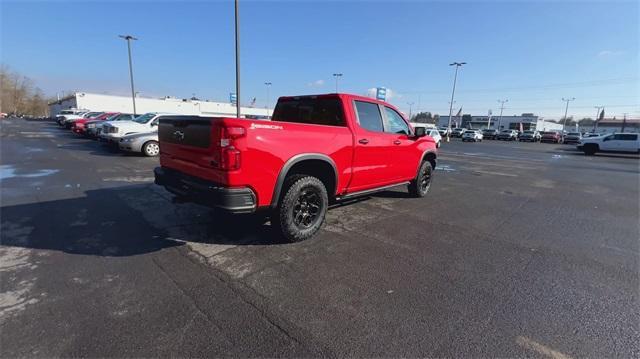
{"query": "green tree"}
pixel 422 117
pixel 587 121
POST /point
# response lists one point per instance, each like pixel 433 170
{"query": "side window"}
pixel 395 122
pixel 617 137
pixel 629 137
pixel 369 116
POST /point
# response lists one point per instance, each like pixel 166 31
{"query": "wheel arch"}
pixel 315 164
pixel 430 156
pixel 146 142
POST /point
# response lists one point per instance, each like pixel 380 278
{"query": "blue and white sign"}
pixel 233 98
pixel 381 93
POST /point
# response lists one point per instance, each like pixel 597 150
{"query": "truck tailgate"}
pixel 187 145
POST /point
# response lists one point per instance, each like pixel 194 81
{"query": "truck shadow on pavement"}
pixel 99 223
pixel 134 220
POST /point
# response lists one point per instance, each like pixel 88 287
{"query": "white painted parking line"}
pixel 128 179
pixel 540 348
pixel 490 157
pixel 495 173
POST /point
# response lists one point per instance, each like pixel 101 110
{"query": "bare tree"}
pixel 19 95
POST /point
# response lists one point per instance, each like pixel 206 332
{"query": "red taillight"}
pixel 230 159
pixel 229 154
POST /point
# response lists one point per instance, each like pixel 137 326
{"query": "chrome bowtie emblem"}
pixel 178 135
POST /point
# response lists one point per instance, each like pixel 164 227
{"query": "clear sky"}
pixel 532 53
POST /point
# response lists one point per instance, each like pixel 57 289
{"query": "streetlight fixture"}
pixel 133 92
pixel 502 102
pixel 455 78
pixel 566 109
pixel 337 76
pixel 237 60
pixel 268 84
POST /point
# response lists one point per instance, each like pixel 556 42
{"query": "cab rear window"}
pixel 315 111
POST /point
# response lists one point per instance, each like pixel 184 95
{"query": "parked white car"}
pixel 444 131
pixel 113 131
pixel 73 114
pixel 430 130
pixel 471 135
pixel 617 142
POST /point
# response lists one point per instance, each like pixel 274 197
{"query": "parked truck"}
pixel 316 150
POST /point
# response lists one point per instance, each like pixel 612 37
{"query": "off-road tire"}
pixel 291 208
pixel 417 187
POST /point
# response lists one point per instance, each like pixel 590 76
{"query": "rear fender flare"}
pixel 290 163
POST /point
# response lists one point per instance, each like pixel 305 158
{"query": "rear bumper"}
pixel 206 193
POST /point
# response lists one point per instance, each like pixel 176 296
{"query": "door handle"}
pixel 364 141
pixel 397 142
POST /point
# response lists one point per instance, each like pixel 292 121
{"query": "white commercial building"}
pixel 124 104
pixel 526 121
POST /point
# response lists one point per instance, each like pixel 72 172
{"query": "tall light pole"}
pixel 410 107
pixel 268 84
pixel 595 123
pixel 237 61
pixel 502 102
pixel 133 92
pixel 455 79
pixel 338 75
pixel 566 109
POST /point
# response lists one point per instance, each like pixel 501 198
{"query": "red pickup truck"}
pixel 316 150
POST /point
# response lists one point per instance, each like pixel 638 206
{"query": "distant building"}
pixel 526 121
pixel 609 125
pixel 101 102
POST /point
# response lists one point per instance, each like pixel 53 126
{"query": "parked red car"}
pixel 551 136
pixel 79 125
pixel 316 150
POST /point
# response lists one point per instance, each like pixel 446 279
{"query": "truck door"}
pixel 628 142
pixel 404 156
pixel 371 161
pixel 609 143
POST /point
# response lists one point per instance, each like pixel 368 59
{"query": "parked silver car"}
pixel 145 143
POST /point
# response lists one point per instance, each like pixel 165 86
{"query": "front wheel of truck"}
pixel 420 186
pixel 302 209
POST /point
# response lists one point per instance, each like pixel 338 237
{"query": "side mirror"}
pixel 420 132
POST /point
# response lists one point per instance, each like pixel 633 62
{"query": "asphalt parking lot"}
pixel 520 249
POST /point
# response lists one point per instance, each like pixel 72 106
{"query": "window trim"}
pixel 355 110
pixel 386 121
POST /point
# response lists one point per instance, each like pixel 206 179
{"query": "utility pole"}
pixel 338 75
pixel 455 79
pixel 268 84
pixel 410 106
pixel 502 102
pixel 624 121
pixel 595 123
pixel 489 119
pixel 133 93
pixel 237 61
pixel 567 100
